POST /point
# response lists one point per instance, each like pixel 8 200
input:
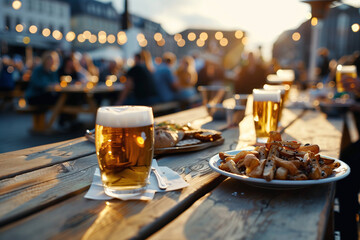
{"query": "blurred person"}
pixel 70 68
pixel 146 59
pixel 252 75
pixel 19 68
pixel 42 77
pixel 166 86
pixel 7 82
pixel 110 69
pixel 186 78
pixel 323 68
pixel 207 74
pixel 87 63
pixel 140 86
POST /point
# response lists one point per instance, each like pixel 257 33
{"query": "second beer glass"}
pixel 124 138
pixel 266 110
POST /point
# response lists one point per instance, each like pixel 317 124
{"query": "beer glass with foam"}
pixel 124 139
pixel 266 110
pixel 283 94
pixel 343 71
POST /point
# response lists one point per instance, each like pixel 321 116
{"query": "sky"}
pixel 263 20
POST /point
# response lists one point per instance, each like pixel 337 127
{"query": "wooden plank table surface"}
pixel 42 192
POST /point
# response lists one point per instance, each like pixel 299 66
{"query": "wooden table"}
pixel 90 105
pixel 42 192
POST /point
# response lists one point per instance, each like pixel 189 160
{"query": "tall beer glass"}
pixel 343 71
pixel 266 109
pixel 124 139
pixel 283 95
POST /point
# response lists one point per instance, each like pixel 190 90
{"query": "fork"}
pixel 161 181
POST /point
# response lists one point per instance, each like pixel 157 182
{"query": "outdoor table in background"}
pixel 80 91
pixel 42 191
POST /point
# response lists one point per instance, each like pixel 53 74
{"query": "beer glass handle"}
pixel 161 181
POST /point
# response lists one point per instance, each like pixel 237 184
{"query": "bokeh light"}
pixel 296 36
pixel 81 38
pixel 219 35
pixel 70 36
pixel 314 21
pixel 158 36
pixel 111 38
pixel 355 27
pixel 239 34
pixel 200 42
pixel 224 42
pixel 191 36
pixel 16 4
pixel 161 42
pixel 46 32
pixel 33 29
pixel 177 37
pixel 181 43
pixel 203 36
pixel 19 28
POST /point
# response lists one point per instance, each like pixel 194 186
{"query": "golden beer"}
pixel 343 71
pixel 266 110
pixel 283 94
pixel 124 139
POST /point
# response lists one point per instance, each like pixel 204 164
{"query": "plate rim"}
pixel 214 160
pixel 189 148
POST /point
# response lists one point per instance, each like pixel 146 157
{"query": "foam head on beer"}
pixel 282 88
pixel 262 95
pixel 124 141
pixel 125 116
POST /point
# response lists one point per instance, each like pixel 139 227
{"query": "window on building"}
pixel 7 23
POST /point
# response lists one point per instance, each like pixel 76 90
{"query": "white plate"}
pixel 339 173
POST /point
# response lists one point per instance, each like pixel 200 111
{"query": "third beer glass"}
pixel 341 72
pixel 266 109
pixel 124 139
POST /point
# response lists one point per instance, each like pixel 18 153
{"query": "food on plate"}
pixel 169 134
pixel 281 160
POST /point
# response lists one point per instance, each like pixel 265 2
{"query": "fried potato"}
pixel 258 171
pixel 285 164
pixel 312 148
pixel 251 161
pixel 281 173
pixel 278 159
pixel 269 170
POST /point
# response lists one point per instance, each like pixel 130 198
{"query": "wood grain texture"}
pixel 29 192
pixel 27 160
pixel 64 213
pixel 81 218
pixel 235 210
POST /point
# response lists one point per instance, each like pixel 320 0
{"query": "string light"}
pixel 314 21
pixel 157 36
pixel 177 37
pixel 87 34
pixel 181 43
pixel 16 4
pixel 161 42
pixel 19 28
pixel 239 34
pixel 296 36
pixel 355 27
pixel 81 38
pixel 191 36
pixel 219 35
pixel 203 36
pixel 111 38
pixel 33 29
pixel 26 40
pixel 200 42
pixel 93 38
pixel 46 32
pixel 70 36
pixel 224 42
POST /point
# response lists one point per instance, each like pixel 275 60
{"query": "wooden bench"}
pixel 39 116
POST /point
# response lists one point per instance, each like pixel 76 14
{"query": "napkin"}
pixel 173 180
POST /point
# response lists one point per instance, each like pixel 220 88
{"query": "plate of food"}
pixel 280 165
pixel 175 138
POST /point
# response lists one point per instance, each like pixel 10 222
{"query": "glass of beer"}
pixel 266 111
pixel 124 139
pixel 343 71
pixel 283 94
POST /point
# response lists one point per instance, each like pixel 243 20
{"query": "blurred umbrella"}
pixel 107 53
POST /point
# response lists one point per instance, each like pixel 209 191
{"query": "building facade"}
pixel 336 34
pixel 41 24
